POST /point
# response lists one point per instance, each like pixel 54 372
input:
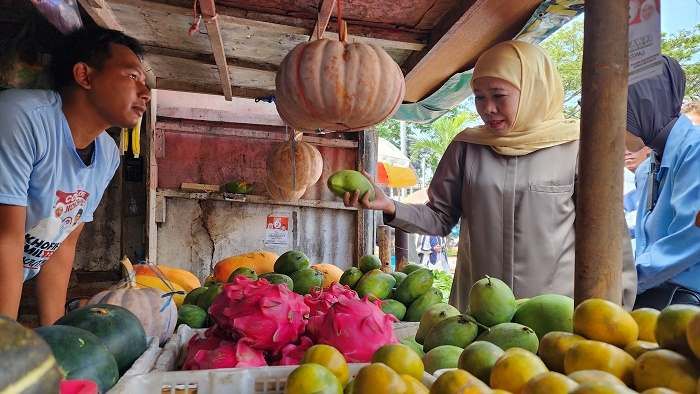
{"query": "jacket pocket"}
pixel 552 188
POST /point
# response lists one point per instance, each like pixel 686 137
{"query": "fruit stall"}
pixel 257 279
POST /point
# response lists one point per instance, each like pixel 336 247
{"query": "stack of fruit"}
pixel 258 323
pixel 405 294
pixel 96 342
pixel 543 345
pixel 395 369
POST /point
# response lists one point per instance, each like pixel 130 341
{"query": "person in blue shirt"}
pixel 668 241
pixel 56 160
pixel 633 178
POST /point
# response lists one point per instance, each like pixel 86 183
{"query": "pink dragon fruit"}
pixel 293 353
pixel 226 354
pixel 357 328
pixel 321 300
pixel 267 316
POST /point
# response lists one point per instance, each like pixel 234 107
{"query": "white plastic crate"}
pixel 262 380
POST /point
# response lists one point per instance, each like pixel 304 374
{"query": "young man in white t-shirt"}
pixel 56 160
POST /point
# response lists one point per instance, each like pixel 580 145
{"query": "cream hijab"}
pixel 539 121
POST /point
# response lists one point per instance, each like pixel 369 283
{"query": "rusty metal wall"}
pixel 198 233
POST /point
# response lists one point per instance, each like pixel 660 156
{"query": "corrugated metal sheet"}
pixel 198 233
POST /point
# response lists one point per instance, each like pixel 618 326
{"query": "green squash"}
pixel 118 328
pixel 81 355
pixel 26 360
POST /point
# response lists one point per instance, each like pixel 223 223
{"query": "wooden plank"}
pixel 324 16
pixel 464 34
pixel 252 199
pixel 414 32
pixel 211 21
pixel 599 219
pixel 206 58
pixel 366 160
pixel 384 240
pixel 152 182
pixel 200 187
pixel 238 131
pixel 160 211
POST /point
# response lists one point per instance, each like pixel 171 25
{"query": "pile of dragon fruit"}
pixel 258 323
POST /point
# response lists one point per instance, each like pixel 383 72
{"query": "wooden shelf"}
pixel 252 199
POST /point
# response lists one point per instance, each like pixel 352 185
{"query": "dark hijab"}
pixel 654 105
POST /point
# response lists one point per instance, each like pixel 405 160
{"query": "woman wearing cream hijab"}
pixel 510 181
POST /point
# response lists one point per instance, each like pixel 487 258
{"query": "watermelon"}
pixel 81 355
pixel 118 328
pixel 26 361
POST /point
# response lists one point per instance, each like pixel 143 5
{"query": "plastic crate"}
pixel 262 380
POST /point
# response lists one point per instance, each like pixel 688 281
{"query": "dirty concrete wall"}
pixel 198 233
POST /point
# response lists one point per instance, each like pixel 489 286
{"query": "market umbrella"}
pixel 393 167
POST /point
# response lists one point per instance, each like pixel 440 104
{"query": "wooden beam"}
pixel 208 88
pixel 324 16
pixel 152 182
pixel 211 21
pixel 599 221
pixel 293 26
pixel 206 58
pixel 460 38
pixel 253 199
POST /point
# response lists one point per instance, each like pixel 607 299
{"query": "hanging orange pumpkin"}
pixel 293 166
pixel 335 85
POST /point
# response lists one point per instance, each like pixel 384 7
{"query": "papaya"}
pixel 331 273
pixel 192 315
pixel 410 268
pixel 545 313
pixel 458 381
pixel 350 181
pixel 478 358
pixel 446 356
pixel 457 330
pixel 510 335
pixel 369 262
pixel 433 315
pixel 192 296
pixel 276 279
pixel 491 301
pixel 259 261
pixel 375 283
pixel 394 307
pixel 594 375
pixel 245 271
pixel 415 285
pixel 672 327
pixel 166 286
pixel 290 262
pixel 399 276
pixel 184 278
pixel 421 304
pixel 306 279
pixel 411 342
pixel 350 277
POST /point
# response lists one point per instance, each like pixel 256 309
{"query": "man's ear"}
pixel 82 74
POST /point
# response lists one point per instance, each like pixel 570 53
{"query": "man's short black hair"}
pixel 88 45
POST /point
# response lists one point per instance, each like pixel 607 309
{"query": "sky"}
pixel 679 15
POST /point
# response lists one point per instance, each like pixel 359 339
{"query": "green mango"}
pixel 415 285
pixel 421 304
pixel 376 284
pixel 349 181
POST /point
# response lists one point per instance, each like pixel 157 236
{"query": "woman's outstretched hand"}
pixel 380 203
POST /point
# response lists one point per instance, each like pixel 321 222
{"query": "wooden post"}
pixel 603 123
pixel 366 160
pixel 400 248
pixel 384 235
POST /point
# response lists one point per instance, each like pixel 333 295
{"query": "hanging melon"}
pixel 336 85
pixel 292 167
